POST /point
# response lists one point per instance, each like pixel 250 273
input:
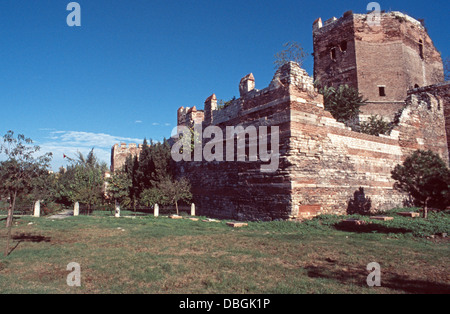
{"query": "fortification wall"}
pixel 435 98
pixel 330 162
pixel 322 162
pixel 119 154
pixel 238 189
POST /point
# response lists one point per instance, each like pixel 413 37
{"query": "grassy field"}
pixel 162 255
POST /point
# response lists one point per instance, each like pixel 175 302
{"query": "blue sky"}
pixel 123 74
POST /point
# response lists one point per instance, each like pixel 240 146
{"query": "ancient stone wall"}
pixel 322 162
pixel 189 116
pixel 435 98
pixel 119 154
pixel 330 162
pixel 238 189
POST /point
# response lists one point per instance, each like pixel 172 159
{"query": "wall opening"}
pixel 421 49
pixel 343 46
pixel 333 53
pixel 382 91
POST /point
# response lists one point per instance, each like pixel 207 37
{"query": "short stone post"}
pixel 76 209
pixel 192 209
pixel 156 210
pixel 37 209
pixel 117 214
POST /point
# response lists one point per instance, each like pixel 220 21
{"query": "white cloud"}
pixel 138 121
pixel 69 143
pixel 155 123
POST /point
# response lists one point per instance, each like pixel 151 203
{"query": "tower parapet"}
pixel 382 61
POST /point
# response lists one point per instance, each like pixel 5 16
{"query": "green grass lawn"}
pixel 162 255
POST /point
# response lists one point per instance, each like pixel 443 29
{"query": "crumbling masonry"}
pixel 322 162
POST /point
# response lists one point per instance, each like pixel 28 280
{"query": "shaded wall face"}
pixel 239 189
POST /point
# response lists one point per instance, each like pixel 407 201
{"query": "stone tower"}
pixel 119 154
pixel 382 61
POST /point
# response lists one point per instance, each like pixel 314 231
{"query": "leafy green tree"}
pixel 426 177
pixel 173 191
pixel 131 170
pixel 292 51
pixel 83 182
pixel 343 103
pixel 63 192
pixel 18 173
pixel 375 125
pixel 118 186
pixel 152 196
pixel 162 160
pixel 145 167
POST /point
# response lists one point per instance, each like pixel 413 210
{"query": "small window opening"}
pixel 343 46
pixel 333 53
pixel 421 49
pixel 382 91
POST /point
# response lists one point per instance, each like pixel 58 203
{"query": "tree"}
pixel 447 68
pixel 145 167
pixel 119 185
pixel 131 170
pixel 375 125
pixel 18 173
pixel 426 177
pixel 343 103
pixel 173 191
pixel 292 51
pixel 83 181
pixel 221 104
pixel 152 196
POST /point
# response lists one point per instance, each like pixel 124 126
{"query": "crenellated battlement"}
pixel 320 26
pixel 290 75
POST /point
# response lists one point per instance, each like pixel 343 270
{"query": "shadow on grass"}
pixel 26 237
pixel 394 281
pixel 416 286
pixel 369 228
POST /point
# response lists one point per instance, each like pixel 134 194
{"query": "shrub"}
pixel 426 177
pixel 375 125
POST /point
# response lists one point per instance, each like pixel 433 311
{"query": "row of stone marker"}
pixel 76 209
pixel 155 210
